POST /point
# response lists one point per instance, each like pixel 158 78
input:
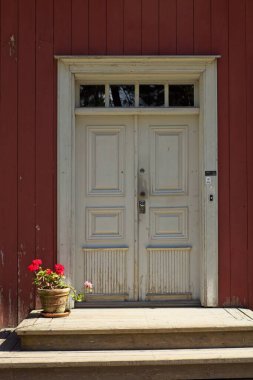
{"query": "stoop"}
pixel 148 343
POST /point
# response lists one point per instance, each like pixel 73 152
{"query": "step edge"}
pixel 172 330
pixel 47 362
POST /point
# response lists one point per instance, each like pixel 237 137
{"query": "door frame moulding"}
pixel 202 68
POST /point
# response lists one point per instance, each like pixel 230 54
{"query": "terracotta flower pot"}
pixel 53 300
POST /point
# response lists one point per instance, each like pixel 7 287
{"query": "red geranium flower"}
pixel 37 262
pixel 33 267
pixel 49 271
pixel 59 269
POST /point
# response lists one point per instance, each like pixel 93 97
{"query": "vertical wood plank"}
pixel 45 134
pixel 26 154
pixel 238 172
pixel 2 317
pixel 132 27
pixel 184 26
pixel 62 44
pixel 249 84
pixel 62 27
pixel 150 27
pixel 220 43
pixel 8 164
pixel 202 27
pixel 115 26
pixel 80 27
pixel 168 27
pixel 97 27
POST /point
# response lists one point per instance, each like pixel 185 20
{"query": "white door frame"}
pixel 100 68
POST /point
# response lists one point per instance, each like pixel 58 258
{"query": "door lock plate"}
pixel 142 207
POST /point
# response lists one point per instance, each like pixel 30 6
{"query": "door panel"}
pixel 106 159
pixel 168 161
pixel 168 275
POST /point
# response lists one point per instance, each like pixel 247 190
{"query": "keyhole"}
pixel 142 170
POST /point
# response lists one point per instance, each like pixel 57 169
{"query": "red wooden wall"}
pixel 31 32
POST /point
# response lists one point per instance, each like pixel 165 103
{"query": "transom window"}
pixel 137 95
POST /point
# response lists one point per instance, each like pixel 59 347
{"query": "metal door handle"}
pixel 142 207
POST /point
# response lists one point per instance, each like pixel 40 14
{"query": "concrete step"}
pixel 138 329
pixel 230 363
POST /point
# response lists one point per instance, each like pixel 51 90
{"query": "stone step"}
pixel 125 365
pixel 138 329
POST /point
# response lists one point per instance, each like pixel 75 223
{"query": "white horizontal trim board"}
pixel 157 68
pixel 85 111
pixel 132 65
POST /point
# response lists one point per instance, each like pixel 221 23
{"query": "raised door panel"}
pixel 105 223
pixel 168 160
pixel 168 223
pixel 105 160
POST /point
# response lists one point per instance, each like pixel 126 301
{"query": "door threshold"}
pixel 137 304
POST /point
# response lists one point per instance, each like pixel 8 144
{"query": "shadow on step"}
pixel 9 341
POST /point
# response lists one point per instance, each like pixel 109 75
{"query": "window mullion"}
pixel 166 95
pixel 107 94
pixel 196 95
pixel 137 95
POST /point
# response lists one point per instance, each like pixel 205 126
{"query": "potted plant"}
pixel 52 288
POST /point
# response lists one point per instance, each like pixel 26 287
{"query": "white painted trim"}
pixel 208 120
pixel 136 215
pixel 144 59
pixel 202 68
pixel 85 111
pixel 65 169
pixel 166 95
pixel 107 90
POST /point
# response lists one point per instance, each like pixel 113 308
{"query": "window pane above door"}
pixel 131 95
pixel 151 95
pixel 181 95
pixel 121 96
pixel 92 96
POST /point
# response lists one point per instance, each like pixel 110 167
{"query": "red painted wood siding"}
pixel 8 162
pixel 26 153
pixel 28 112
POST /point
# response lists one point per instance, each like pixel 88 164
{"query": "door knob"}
pixel 142 207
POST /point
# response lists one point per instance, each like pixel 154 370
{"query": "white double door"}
pixel 137 207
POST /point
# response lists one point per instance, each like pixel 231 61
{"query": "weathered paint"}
pixel 9 150
pixel 249 132
pixel 31 33
pixel 26 153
